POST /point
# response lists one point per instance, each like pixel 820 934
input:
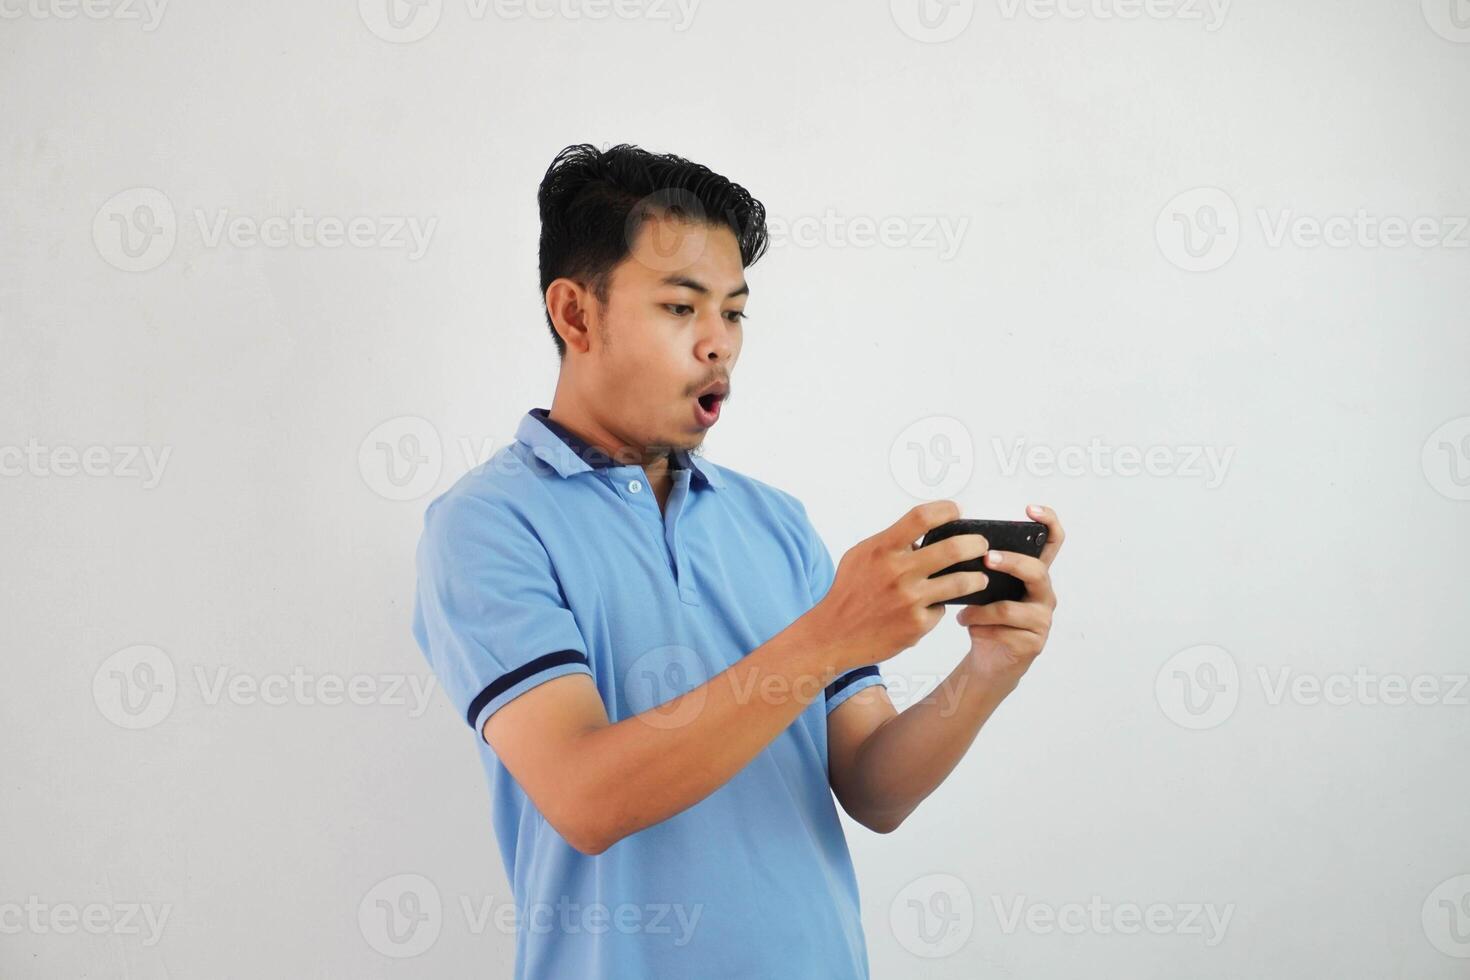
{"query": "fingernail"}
pixel 1034 508
pixel 993 557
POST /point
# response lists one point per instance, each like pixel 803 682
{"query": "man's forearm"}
pixel 908 756
pixel 644 769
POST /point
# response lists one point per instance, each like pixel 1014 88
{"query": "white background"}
pixel 1130 765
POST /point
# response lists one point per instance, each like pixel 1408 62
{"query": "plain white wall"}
pixel 1081 230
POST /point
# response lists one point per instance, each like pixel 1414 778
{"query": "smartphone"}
pixel 1025 537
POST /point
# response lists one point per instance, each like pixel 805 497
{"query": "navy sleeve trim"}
pixel 511 678
pixel 852 675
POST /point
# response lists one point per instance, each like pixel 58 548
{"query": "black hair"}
pixel 594 201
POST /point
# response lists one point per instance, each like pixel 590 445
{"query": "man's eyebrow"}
pixel 700 287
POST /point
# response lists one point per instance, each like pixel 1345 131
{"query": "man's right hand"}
pixel 879 602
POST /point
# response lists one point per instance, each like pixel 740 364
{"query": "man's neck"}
pixel 655 463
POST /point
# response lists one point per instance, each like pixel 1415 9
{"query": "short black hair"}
pixel 593 202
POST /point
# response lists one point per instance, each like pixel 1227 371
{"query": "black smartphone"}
pixel 1025 537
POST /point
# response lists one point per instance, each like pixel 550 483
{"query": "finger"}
pixel 1033 573
pixel 1021 643
pixel 1054 533
pixel 951 551
pixel 1020 615
pixel 952 586
pixel 914 524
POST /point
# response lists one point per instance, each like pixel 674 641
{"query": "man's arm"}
pixel 881 763
pixel 597 782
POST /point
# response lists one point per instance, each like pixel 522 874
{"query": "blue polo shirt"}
pixel 551 559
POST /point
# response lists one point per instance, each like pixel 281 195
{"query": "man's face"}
pixel 671 326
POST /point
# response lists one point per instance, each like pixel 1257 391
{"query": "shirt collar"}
pixel 568 453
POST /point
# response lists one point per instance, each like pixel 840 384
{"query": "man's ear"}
pixel 573 312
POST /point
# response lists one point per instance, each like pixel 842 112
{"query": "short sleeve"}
pixel 489 612
pixel 820 573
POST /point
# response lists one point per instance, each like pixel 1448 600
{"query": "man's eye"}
pixel 736 316
pixel 678 309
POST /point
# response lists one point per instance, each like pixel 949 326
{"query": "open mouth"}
pixel 707 409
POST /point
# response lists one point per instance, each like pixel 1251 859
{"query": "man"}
pixel 668 679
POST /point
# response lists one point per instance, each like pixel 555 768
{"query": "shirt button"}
pixel 634 486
